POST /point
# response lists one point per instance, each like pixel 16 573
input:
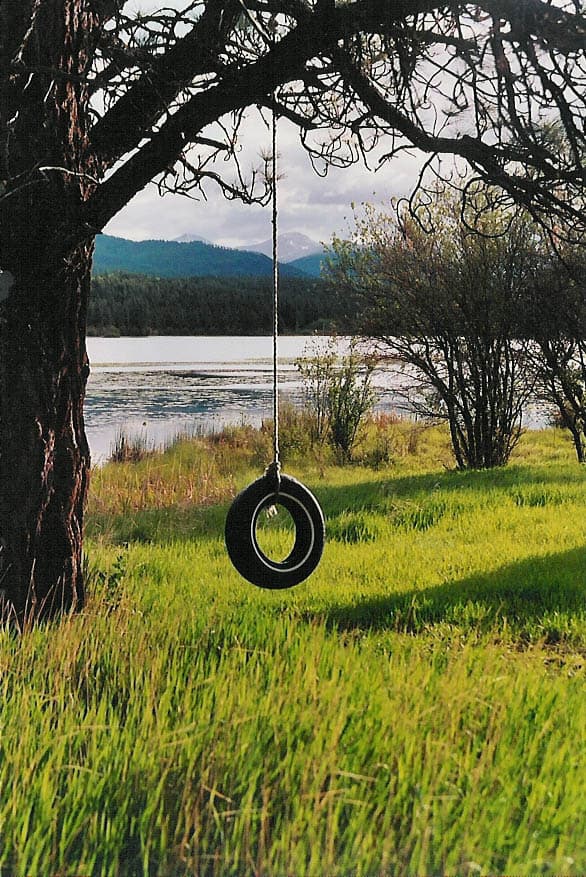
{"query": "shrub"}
pixel 338 392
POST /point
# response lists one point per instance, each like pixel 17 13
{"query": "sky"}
pixel 308 203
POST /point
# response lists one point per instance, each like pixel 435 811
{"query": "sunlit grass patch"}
pixel 415 707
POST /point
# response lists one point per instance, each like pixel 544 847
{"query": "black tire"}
pixel 240 533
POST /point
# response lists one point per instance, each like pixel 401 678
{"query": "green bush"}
pixel 338 393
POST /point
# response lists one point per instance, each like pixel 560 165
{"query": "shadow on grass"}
pixel 158 526
pixel 373 493
pixel 542 597
pixel 367 494
pixel 538 596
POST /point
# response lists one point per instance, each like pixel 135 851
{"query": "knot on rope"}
pixel 273 475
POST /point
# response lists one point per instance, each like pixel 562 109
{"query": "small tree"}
pixel 558 325
pixel 563 384
pixel 446 306
pixel 338 392
pixel 316 367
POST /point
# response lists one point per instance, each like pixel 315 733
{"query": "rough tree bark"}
pixel 44 455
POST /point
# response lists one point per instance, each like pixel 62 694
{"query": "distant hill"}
pixel 188 238
pixel 310 265
pixel 176 259
pixel 292 245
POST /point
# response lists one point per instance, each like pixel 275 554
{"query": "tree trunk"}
pixel 44 455
pixel 48 170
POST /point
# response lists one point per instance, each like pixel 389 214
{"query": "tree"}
pixel 557 314
pixel 96 100
pixel 450 308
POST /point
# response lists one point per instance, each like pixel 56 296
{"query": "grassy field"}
pixel 417 707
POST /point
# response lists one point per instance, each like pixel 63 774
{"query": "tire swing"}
pixel 274 489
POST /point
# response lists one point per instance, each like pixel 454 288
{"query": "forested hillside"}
pixel 310 265
pixel 130 304
pixel 180 259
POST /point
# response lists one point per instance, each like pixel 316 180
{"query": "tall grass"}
pixel 130 448
pixel 416 708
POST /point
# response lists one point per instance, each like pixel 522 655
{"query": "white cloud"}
pixel 317 206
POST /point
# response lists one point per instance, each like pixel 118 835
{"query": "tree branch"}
pixel 135 114
pixel 319 32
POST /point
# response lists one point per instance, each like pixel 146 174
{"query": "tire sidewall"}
pixel 242 545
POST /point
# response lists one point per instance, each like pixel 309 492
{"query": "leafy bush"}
pixel 338 392
pixel 448 307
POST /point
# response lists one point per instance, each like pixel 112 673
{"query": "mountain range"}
pixel 194 257
pixel 291 247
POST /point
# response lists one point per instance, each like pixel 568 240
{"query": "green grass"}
pixel 417 707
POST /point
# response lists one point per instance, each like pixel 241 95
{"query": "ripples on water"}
pixel 161 386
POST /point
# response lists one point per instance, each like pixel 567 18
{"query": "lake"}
pixel 157 387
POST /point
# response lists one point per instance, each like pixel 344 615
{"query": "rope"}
pixel 276 461
pixel 274 469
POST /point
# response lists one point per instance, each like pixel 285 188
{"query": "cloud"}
pixel 317 206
